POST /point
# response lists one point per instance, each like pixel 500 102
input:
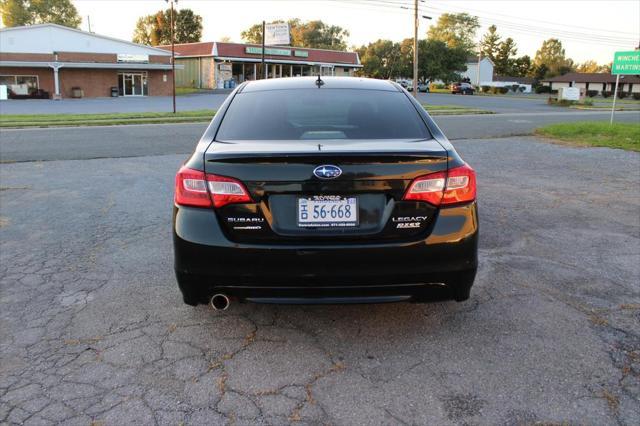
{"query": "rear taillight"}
pixel 191 188
pixel 444 188
pixel 197 189
pixel 225 190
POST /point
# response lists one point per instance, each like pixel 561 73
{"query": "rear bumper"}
pixel 441 266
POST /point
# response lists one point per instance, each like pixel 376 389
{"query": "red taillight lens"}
pixel 191 188
pixel 225 190
pixel 456 186
pixel 197 189
pixel 461 185
pixel 427 188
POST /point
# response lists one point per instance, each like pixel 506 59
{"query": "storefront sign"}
pixel 267 51
pixel 127 57
pixel 301 53
pixel 626 63
pixel 225 67
pixel 276 34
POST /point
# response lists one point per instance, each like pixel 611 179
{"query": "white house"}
pixel 486 70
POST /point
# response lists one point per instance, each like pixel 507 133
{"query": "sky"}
pixel 588 29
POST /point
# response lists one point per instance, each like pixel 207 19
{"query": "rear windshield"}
pixel 321 114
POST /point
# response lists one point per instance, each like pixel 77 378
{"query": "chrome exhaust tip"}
pixel 219 302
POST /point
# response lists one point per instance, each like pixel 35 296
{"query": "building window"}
pixel 20 84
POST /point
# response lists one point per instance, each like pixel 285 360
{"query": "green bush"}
pixel 560 102
pixel 586 102
pixel 486 89
pixel 592 93
pixel 515 88
pixel 606 93
pixel 504 90
pixel 636 96
pixel 622 95
pixel 521 89
pixel 543 89
pixel 495 90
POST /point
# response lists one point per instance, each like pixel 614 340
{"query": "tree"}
pixel 522 66
pixel 504 62
pixel 552 54
pixel 156 29
pixel 380 59
pixel 503 53
pixel 313 34
pixel 146 31
pixel 490 43
pixel 592 66
pixel 28 12
pixel 437 61
pixel 457 30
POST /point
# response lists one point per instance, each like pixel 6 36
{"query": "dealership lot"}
pixel 93 327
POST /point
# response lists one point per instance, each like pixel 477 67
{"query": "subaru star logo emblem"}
pixel 327 171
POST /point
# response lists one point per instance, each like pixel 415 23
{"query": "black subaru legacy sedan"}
pixel 324 190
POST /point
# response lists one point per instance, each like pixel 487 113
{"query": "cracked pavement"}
pixel 93 329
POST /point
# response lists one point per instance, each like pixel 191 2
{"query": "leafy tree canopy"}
pixel 155 29
pixel 552 55
pixel 16 13
pixel 593 66
pixel 436 61
pixel 503 54
pixel 312 34
pixel 457 30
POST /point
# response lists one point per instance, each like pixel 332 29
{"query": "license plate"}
pixel 328 211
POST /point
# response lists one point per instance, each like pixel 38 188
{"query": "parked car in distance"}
pixel 423 87
pixel 342 190
pixel 462 88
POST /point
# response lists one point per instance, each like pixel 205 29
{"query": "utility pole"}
pixel 479 60
pixel 89 22
pixel 173 56
pixel 415 48
pixel 262 68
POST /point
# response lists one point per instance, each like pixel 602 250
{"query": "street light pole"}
pixel 173 57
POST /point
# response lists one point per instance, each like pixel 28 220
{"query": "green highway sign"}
pixel 626 62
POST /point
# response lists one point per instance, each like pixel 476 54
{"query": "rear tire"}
pixel 188 285
pixel 462 287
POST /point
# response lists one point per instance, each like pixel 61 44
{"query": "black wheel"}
pixel 462 288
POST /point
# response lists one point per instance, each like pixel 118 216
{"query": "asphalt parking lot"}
pixel 93 328
pixel 213 100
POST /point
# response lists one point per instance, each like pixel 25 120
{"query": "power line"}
pixel 400 7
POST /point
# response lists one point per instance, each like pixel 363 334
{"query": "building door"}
pixel 132 84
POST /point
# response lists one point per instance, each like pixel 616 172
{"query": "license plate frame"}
pixel 328 201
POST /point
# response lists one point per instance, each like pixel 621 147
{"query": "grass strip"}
pixel 53 120
pixel 619 135
pixel 198 116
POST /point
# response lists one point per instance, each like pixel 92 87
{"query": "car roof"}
pixel 311 82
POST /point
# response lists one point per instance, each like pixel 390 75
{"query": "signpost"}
pixel 624 63
pixel 274 34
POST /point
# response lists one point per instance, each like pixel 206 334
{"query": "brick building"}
pixel 208 65
pixel 54 61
